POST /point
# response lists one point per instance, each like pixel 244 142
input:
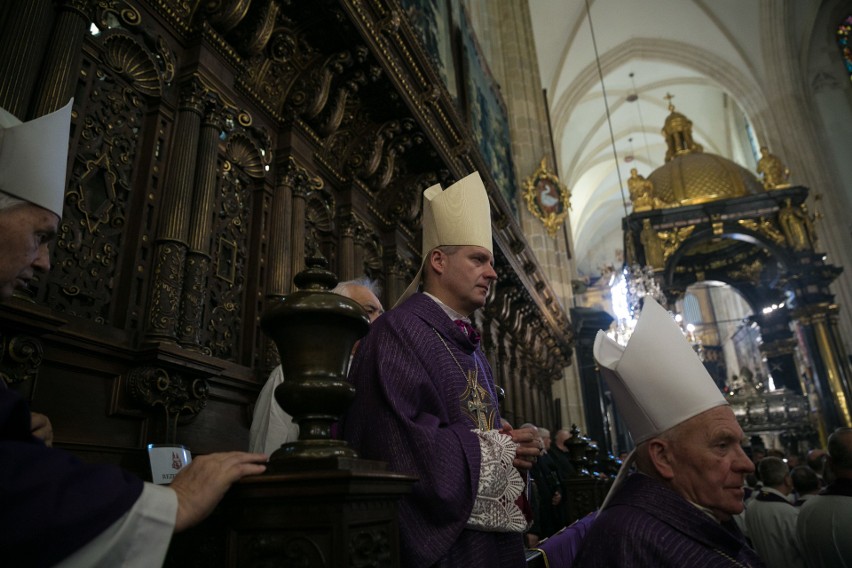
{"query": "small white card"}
pixel 167 461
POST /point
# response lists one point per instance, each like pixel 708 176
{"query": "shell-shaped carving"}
pixel 127 57
pixel 245 154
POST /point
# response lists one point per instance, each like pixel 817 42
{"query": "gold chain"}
pixel 452 354
pixel 734 560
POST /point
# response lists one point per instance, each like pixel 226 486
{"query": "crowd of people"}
pixel 798 512
pixel 426 403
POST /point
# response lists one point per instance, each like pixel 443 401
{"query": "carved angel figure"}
pixel 641 191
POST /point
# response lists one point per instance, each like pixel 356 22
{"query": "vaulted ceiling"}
pixel 622 62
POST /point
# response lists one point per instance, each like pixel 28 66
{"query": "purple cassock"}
pixel 647 524
pixel 422 386
pixel 51 504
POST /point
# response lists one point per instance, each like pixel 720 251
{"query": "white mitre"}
pixel 459 215
pixel 657 380
pixel 34 157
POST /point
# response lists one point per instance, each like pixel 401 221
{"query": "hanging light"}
pixel 629 157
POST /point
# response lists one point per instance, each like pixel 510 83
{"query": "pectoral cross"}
pixel 476 401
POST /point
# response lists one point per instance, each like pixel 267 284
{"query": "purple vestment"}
pixel 647 524
pixel 51 504
pixel 415 407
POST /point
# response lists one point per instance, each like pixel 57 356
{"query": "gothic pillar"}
pixel 171 247
pixel 831 376
pixel 587 323
pixel 23 36
pixel 62 60
pixel 197 266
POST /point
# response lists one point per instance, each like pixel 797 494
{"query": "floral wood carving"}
pixel 176 395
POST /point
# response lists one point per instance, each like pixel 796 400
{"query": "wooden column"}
pixel 24 35
pixel 297 237
pixel 176 204
pixel 62 60
pixel 346 262
pixel 197 264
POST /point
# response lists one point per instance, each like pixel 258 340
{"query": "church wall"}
pixel 504 31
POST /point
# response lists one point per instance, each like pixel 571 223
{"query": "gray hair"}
pixel 772 471
pixel 371 285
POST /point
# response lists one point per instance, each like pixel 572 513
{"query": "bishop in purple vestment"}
pixel 425 400
pixel 677 509
pixel 53 507
pixel 647 524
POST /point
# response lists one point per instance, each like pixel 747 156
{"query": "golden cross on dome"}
pixel 669 98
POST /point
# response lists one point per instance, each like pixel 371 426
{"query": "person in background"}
pixel 55 509
pixel 677 509
pixel 806 484
pixel 425 400
pixel 559 453
pixel 824 527
pixel 771 517
pixel 271 425
pixel 816 459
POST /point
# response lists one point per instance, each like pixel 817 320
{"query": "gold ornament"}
pixel 547 198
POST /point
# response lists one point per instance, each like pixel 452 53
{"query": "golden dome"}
pixel 690 176
pixel 698 177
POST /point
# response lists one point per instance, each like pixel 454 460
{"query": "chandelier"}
pixel 640 282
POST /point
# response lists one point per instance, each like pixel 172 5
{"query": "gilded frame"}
pixel 547 198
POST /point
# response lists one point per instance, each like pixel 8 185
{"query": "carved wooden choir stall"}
pixel 214 146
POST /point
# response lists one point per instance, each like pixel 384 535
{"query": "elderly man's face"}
pixel 709 462
pixel 25 231
pixel 367 299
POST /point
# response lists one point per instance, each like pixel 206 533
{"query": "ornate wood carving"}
pixel 173 392
pixel 20 358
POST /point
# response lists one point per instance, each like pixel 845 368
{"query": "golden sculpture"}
pixel 670 241
pixel 773 172
pixel 652 245
pixel 765 227
pixel 677 131
pixel 797 226
pixel 641 192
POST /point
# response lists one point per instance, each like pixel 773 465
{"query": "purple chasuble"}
pixel 51 503
pixel 421 387
pixel 647 524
